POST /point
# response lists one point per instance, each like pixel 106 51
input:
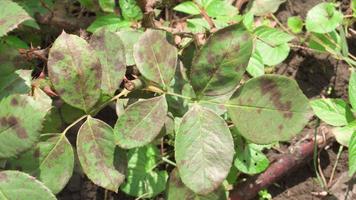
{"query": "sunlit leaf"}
pixel 272 55
pixel 20 124
pixel 176 190
pixel 188 7
pixel 130 10
pixel 255 65
pixel 352 89
pixel 155 57
pixel 129 38
pixel 263 7
pixel 343 134
pixel 75 71
pixel 204 150
pixel 295 24
pixel 335 112
pixel 141 122
pixel 269 108
pixel 272 36
pixel 16 185
pixel 323 18
pixel 111 22
pixel 250 160
pixel 102 161
pixel 352 154
pixel 219 65
pixel 107 5
pixel 48 161
pixel 11 15
pixel 111 53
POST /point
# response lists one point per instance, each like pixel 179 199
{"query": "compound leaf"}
pixel 102 161
pixel 18 185
pixel 48 161
pixel 20 124
pixel 277 102
pixel 110 50
pixel 155 57
pixel 75 71
pixel 204 150
pixel 11 15
pixel 218 66
pixel 141 122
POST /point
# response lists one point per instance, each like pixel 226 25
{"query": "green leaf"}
pixel 343 134
pixel 248 21
pixel 11 15
pixel 110 22
pixel 276 101
pixel 204 150
pixel 325 43
pixel 99 157
pixel 141 122
pixel 86 3
pixel 107 5
pixel 335 112
pixel 272 36
pixel 188 7
pixel 15 42
pixel 48 161
pixel 155 57
pixel 18 82
pixel 129 38
pixel 250 160
pixel 219 65
pixel 197 25
pixel 295 24
pixel 130 10
pixel 323 18
pixel 18 185
pixel 20 124
pixel 142 180
pixel 264 7
pixel 352 89
pixel 218 9
pixel 272 55
pixel 255 66
pixel 111 52
pixel 177 191
pixel 352 154
pixel 75 71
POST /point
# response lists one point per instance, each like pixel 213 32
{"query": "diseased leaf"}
pixel 335 112
pixel 18 82
pixel 155 57
pixel 111 53
pixel 323 18
pixel 352 154
pixel 142 178
pixel 11 15
pixel 20 124
pixel 99 157
pixel 75 71
pixel 176 190
pixel 219 65
pixel 204 150
pixel 50 161
pixel 141 122
pixel 277 102
pixel 263 7
pixel 352 89
pixel 42 99
pixel 18 185
pixel 250 160
pixel 129 38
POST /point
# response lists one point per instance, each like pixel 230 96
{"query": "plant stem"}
pixel 335 165
pixel 124 92
pixel 315 155
pixel 169 161
pixel 74 123
pixel 178 95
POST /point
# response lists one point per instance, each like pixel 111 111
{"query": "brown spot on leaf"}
pixel 269 86
pixel 14 102
pixel 3 177
pixel 280 127
pixel 259 110
pixel 56 55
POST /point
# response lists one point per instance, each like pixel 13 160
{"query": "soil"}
pixel 318 75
